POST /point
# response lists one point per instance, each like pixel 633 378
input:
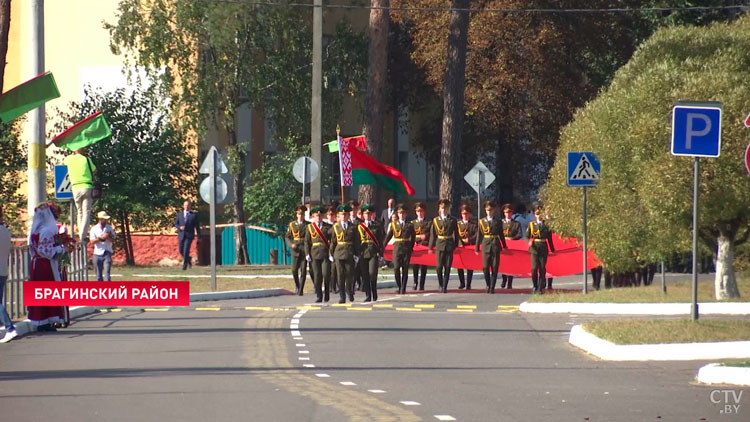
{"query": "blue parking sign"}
pixel 696 129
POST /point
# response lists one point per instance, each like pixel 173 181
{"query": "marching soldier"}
pixel 355 217
pixel 490 236
pixel 422 237
pixel 345 252
pixel 540 236
pixel 512 231
pixel 328 267
pixel 444 238
pixel 295 238
pixel 467 235
pixel 316 251
pixel 403 234
pixel 371 236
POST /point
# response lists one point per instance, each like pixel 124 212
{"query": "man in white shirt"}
pixel 5 239
pixel 103 235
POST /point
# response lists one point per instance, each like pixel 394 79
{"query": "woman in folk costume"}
pixel 45 252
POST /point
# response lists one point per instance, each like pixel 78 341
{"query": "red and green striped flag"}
pixel 359 168
pixel 27 96
pixel 84 133
pixel 358 141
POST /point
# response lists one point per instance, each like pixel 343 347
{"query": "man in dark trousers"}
pixel 316 251
pixel 540 236
pixel 344 251
pixel 467 235
pixel 492 240
pixel 295 238
pixel 512 231
pixel 371 238
pixel 422 230
pixel 187 228
pixel 444 239
pixel 402 233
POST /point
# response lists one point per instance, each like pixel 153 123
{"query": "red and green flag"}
pixel 27 96
pixel 359 168
pixel 358 141
pixel 84 133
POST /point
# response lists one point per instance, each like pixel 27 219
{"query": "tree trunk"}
pixel 503 169
pixel 4 29
pixel 725 283
pixel 453 103
pixel 376 80
pixel 124 239
pixel 130 253
pixel 239 174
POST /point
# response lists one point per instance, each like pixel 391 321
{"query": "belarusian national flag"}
pixel 84 133
pixel 359 168
pixel 27 96
pixel 359 142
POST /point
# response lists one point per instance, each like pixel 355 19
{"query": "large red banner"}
pixel 516 260
pixel 96 293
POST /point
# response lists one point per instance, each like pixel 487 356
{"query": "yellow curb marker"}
pixel 257 308
pixel 466 306
pixel 207 309
pixel 308 308
pixel 460 310
pixel 358 309
pixel 425 306
pixel 156 309
pixel 409 309
pixel 383 305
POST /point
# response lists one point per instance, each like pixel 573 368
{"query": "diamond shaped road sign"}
pixel 205 168
pixel 473 176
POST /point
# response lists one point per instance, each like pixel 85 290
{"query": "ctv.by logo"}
pixel 729 398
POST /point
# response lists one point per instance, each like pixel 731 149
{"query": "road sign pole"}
pixel 479 194
pixel 304 179
pixel 696 180
pixel 212 207
pixel 585 271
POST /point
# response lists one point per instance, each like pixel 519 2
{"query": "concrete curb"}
pixel 715 373
pixel 708 308
pixel 607 350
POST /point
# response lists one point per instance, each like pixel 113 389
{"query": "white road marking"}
pixel 445 418
pixel 297 338
pixel 377 391
pixel 322 375
pixel 347 383
pixel 410 403
pixel 294 326
pixel 295 321
pixel 300 344
pixel 308 365
pixel 303 352
pixel 304 358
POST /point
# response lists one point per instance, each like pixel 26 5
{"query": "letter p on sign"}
pixel 696 129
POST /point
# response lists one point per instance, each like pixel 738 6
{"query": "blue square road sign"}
pixel 63 189
pixel 696 129
pixel 584 169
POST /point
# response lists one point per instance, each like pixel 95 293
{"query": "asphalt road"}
pixel 468 357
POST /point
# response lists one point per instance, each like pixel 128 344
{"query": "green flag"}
pixel 84 133
pixel 28 96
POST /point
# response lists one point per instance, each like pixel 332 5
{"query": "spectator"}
pixel 45 252
pixel 188 227
pixel 81 173
pixel 10 330
pixel 103 235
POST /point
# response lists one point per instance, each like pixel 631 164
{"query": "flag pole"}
pixel 341 168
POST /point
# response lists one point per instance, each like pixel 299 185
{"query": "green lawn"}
pixel 676 293
pixel 743 364
pixel 649 331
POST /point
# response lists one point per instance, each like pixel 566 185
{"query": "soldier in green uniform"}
pixel 540 236
pixel 403 234
pixel 422 237
pixel 370 238
pixel 467 235
pixel 355 217
pixel 512 231
pixel 316 251
pixel 295 238
pixel 344 252
pixel 492 240
pixel 328 266
pixel 444 238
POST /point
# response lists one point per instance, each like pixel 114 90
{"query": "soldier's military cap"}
pixel 444 203
pixel 538 209
pixel 507 208
pixel 367 208
pixel 316 210
pixel 344 208
pixel 300 208
pixel 401 208
pixel 420 206
pixel 465 207
pixel 490 204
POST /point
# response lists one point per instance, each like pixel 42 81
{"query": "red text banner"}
pixel 96 293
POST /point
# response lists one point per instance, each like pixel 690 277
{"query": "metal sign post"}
pixel 696 132
pixel 584 170
pixel 479 178
pixel 211 165
pixel 305 170
pixel 585 249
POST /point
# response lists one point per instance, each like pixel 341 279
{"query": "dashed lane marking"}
pixel 353 308
pixel 309 308
pixel 460 310
pixel 207 309
pixel 348 383
pixel 466 306
pixel 410 403
pixel 377 391
pixel 156 309
pixel 322 375
pixel 257 308
pixel 424 306
pixel 409 309
pixel 445 418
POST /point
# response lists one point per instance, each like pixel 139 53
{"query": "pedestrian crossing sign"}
pixel 584 169
pixel 63 189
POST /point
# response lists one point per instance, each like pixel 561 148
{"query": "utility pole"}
pixel 316 144
pixel 37 178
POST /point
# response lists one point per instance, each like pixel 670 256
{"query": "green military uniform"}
pixel 344 248
pixel 295 238
pixel 353 219
pixel 540 236
pixel 420 271
pixel 512 231
pixel 492 240
pixel 371 238
pixel 467 235
pixel 316 248
pixel 444 239
pixel 403 234
pixel 329 269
